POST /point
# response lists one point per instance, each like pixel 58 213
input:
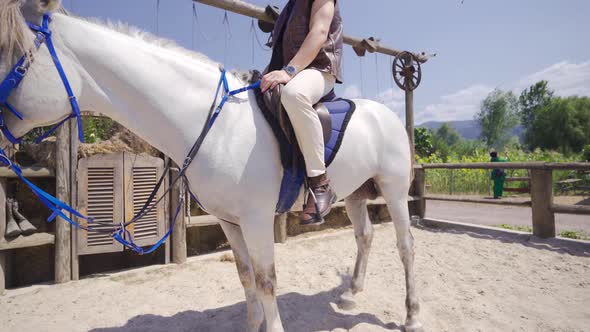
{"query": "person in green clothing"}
pixel 498 175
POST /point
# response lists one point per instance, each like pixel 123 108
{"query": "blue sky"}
pixel 481 45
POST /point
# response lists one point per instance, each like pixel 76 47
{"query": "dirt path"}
pixel 466 282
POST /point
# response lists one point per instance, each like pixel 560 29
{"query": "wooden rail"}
pixel 571 209
pixel 247 9
pixel 512 165
pixel 28 172
pixel 456 198
pixel 517 179
pixel 541 188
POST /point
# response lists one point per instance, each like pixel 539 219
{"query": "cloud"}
pixel 565 78
pixel 351 91
pixel 394 99
pixel 461 105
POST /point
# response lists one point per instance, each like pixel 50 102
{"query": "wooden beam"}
pixel 200 221
pixel 281 228
pixel 63 251
pixel 3 258
pixel 247 9
pixel 511 165
pixel 450 198
pixel 518 179
pixel 28 172
pixel 542 200
pixel 34 240
pixel 571 209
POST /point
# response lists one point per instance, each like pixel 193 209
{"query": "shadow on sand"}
pixel 559 245
pixel 299 313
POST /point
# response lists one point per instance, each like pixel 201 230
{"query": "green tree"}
pixel 448 134
pixel 497 116
pixel 586 153
pixel 423 142
pixel 97 129
pixel 563 124
pixel 530 102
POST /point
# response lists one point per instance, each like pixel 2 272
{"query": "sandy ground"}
pixel 466 282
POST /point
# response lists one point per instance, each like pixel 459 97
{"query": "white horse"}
pixel 162 93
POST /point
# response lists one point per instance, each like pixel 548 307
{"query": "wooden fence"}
pixel 541 203
pixel 541 189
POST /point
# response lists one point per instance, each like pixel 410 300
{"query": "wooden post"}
pixel 167 208
pixel 63 242
pixel 541 200
pixel 410 120
pixel 74 144
pixel 3 258
pixel 281 228
pixel 179 251
pixel 452 184
pixel 420 191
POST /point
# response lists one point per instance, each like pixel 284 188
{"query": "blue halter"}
pixel 19 71
pixel 60 209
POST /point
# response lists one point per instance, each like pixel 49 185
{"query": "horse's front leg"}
pixel 258 232
pixel 246 273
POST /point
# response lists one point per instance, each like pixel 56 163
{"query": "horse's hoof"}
pixel 347 301
pixel 413 327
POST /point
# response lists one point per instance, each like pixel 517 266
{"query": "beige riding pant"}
pixel 298 96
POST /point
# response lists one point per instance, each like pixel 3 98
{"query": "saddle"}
pixel 334 114
pixel 271 106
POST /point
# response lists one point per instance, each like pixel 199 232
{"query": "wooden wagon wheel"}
pixel 407 72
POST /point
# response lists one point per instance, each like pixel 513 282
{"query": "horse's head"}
pixel 40 98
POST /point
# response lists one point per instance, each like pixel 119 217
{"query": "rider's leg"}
pixel 298 97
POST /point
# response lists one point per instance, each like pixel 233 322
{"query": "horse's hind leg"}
pixel 395 192
pixel 246 274
pixel 363 232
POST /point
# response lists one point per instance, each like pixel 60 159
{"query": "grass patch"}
pixel 576 235
pixel 527 229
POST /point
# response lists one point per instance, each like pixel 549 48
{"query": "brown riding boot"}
pixel 12 229
pixel 25 225
pixel 320 198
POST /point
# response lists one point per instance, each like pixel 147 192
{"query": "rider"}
pixel 307 57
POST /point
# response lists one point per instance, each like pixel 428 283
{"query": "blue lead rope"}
pixel 120 232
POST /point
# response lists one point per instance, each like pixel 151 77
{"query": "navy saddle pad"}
pixel 341 111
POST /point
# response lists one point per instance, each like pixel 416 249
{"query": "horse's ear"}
pixel 49 5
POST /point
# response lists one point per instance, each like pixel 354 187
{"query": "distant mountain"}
pixel 469 129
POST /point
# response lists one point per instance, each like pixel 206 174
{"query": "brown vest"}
pixel 329 59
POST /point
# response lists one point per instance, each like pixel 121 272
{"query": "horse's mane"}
pixel 137 33
pixel 14 35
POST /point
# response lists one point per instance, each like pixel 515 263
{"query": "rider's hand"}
pixel 274 78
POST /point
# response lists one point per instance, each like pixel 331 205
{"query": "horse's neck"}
pixel 160 95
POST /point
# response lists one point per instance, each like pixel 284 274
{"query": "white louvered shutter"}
pixel 100 196
pixel 141 176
